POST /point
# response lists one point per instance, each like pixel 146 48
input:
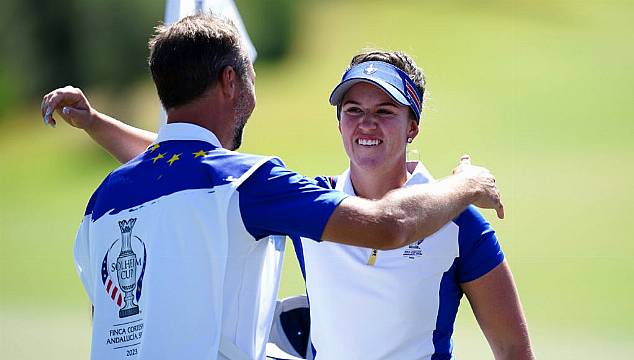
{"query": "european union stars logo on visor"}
pixel 386 76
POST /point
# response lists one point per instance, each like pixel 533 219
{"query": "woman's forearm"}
pixel 518 351
pixel 496 305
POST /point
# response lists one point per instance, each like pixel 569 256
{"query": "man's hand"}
pixel 71 104
pixel 123 141
pixel 484 183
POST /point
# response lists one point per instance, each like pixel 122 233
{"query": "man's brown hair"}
pixel 187 57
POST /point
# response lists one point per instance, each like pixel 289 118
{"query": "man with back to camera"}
pixel 175 250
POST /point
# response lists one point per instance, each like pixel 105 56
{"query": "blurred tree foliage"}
pixel 271 25
pixel 50 43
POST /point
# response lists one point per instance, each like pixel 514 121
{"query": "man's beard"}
pixel 237 133
pixel 243 109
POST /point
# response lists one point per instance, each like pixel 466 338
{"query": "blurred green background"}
pixel 539 91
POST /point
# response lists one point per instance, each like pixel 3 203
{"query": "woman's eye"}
pixel 384 112
pixel 353 110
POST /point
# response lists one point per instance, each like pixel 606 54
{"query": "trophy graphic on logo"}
pixel 126 269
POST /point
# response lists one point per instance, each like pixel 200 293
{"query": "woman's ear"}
pixel 413 130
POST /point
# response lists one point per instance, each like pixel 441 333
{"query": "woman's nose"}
pixel 367 121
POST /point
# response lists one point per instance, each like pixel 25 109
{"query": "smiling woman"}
pixel 402 303
pixel 374 129
pixel 379 107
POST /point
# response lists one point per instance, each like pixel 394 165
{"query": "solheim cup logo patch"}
pixel 123 268
pixel 413 250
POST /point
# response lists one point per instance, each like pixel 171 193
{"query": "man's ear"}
pixel 228 82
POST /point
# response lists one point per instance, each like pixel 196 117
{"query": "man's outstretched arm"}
pixel 123 141
pixel 409 214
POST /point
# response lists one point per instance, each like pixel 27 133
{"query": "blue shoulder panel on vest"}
pixel 170 167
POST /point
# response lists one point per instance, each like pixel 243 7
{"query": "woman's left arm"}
pixel 496 305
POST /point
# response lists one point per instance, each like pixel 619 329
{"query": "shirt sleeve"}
pixel 82 258
pixel 480 251
pixel 278 201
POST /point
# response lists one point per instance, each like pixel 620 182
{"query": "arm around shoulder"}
pixel 402 217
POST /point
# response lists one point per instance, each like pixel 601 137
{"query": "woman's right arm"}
pixel 497 308
pixel 121 140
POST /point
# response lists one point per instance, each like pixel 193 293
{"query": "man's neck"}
pixel 376 182
pixel 209 112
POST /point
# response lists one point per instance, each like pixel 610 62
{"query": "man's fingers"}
pixel 45 109
pixel 500 211
pixel 465 160
pixel 74 115
pixel 48 116
pixel 52 103
pixel 43 104
pixel 57 99
pixel 500 207
pixel 49 103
